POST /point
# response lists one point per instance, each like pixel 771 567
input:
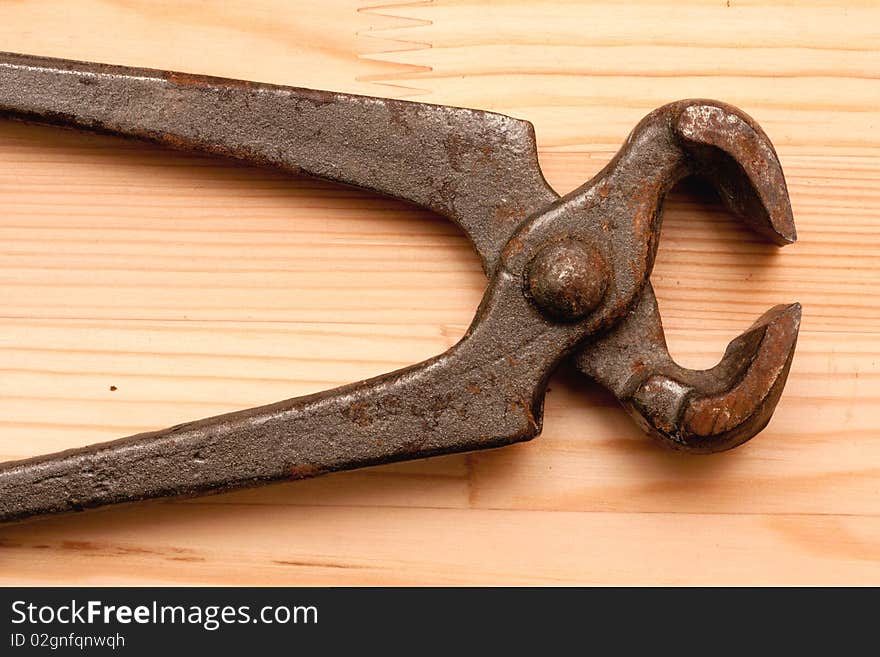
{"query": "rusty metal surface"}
pixel 568 277
pixel 479 169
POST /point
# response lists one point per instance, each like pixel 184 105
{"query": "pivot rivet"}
pixel 567 280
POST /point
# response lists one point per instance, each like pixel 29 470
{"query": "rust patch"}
pixel 514 247
pixel 305 471
pixel 359 414
pixel 189 80
pixel 506 214
pixel 530 417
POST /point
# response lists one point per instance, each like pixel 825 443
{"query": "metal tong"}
pixel 568 278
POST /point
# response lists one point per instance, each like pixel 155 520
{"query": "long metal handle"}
pixel 479 169
pixel 486 391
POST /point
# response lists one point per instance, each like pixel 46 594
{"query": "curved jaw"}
pixel 745 401
pixel 700 411
pixel 730 150
pixel 719 408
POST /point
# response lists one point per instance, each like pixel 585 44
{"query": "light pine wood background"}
pixel 195 286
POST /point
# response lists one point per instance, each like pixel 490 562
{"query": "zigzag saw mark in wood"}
pixel 381 40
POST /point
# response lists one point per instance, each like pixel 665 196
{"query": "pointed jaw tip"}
pixel 784 234
pixel 781 228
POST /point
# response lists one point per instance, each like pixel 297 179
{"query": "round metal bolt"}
pixel 567 280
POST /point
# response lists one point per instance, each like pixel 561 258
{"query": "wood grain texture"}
pixel 140 288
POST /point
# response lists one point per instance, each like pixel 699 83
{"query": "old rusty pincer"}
pixel 568 278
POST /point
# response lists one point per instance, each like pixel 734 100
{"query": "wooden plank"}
pixel 140 288
pixel 585 72
pixel 193 544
